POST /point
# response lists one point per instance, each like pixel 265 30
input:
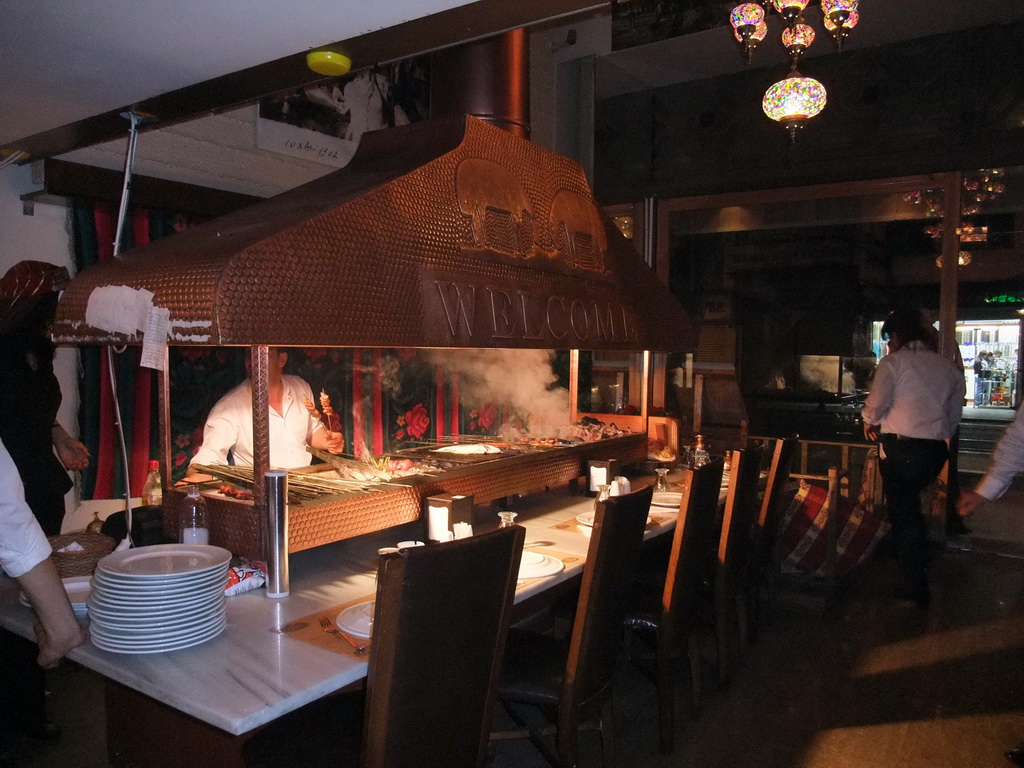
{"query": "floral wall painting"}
pixel 324 122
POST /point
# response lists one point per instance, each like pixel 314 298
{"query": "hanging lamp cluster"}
pixel 795 99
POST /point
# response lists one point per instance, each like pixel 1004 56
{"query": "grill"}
pixel 450 233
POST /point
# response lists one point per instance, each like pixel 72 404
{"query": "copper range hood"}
pixel 445 233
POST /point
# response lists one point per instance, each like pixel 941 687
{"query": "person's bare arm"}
pixel 57 630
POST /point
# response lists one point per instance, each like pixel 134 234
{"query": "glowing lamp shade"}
pixel 797 38
pixel 746 14
pixel 794 100
pixel 830 21
pixel 749 26
pixel 752 35
pixel 790 10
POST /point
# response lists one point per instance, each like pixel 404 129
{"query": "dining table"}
pixel 196 706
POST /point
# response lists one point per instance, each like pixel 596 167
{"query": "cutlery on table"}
pixel 327 626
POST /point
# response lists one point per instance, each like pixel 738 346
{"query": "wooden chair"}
pixel 667 618
pixel 570 681
pixel 762 574
pixel 735 548
pixel 440 625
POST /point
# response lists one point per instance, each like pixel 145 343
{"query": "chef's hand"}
pixel 72 454
pixel 871 432
pixel 969 503
pixel 194 477
pixel 326 440
pixel 335 442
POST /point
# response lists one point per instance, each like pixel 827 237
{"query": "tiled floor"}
pixel 870 684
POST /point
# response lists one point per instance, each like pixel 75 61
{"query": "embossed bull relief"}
pixel 499 210
pixel 578 231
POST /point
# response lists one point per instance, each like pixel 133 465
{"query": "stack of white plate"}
pixel 78 588
pixel 159 598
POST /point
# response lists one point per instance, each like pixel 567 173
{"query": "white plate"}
pixel 159 646
pixel 532 558
pixel 78 589
pixel 469 448
pixel 548 567
pixel 159 561
pixel 152 634
pixel 156 589
pixel 117 617
pixel 357 619
pixel 666 499
pixel 119 597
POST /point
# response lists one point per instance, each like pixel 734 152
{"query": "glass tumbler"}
pixel 661 484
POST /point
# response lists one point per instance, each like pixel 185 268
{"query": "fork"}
pixel 325 625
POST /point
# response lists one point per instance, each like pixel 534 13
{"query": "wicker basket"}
pixel 82 562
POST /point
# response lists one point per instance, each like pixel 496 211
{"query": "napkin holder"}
pixel 459 506
pixel 601 472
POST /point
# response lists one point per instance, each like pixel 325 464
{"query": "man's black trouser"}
pixel 909 466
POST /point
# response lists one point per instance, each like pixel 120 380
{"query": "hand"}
pixel 335 442
pixel 54 647
pixel 193 477
pixel 871 432
pixel 969 503
pixel 72 454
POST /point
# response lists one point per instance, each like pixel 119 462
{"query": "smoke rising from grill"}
pixel 518 379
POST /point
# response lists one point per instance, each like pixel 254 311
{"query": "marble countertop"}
pixel 252 673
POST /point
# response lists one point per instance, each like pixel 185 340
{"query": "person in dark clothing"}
pixel 30 396
pixel 43 453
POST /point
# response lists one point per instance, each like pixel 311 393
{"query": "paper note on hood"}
pixel 118 309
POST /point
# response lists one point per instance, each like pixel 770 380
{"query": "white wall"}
pixel 43 236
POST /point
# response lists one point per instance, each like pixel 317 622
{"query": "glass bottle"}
pixel 193 528
pixel 507 519
pixel 152 489
pixel 700 453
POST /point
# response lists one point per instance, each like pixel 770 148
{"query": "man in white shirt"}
pixel 1007 462
pixel 292 427
pixel 25 556
pixel 914 407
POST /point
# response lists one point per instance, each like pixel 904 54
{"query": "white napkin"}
pixel 437 523
pixel 74 546
pixel 463 530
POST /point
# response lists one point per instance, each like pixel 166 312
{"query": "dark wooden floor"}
pixel 868 684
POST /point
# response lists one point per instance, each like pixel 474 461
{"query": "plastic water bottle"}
pixel 194 528
pixel 152 489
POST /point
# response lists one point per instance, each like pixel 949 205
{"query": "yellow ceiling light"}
pixel 328 63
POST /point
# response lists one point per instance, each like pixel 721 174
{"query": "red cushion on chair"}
pixel 804 540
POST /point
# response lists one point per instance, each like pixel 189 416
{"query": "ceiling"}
pixel 70 64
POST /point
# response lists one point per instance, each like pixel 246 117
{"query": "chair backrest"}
pixel 693 546
pixel 440 624
pixel 740 515
pixel 779 470
pixel 607 578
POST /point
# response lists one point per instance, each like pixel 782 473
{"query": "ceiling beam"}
pixel 63 181
pixel 473 21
